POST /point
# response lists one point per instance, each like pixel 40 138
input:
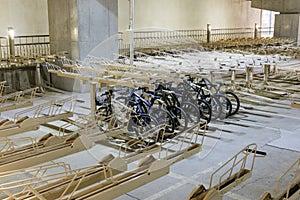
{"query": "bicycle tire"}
pixel 139 125
pixel 225 105
pixel 180 118
pixel 205 110
pixel 192 110
pixel 164 117
pixel 215 105
pixel 235 102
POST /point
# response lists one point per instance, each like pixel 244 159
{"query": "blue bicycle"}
pixel 149 113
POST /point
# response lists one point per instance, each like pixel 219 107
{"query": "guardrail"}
pixel 4 48
pixel 30 45
pixel 266 31
pixel 219 34
pixel 34 45
pixel 152 39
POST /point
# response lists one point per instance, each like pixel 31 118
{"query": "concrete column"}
pixel 287 23
pixel 288 26
pixel 78 26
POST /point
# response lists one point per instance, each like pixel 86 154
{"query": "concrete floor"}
pixel 188 173
pixel 274 128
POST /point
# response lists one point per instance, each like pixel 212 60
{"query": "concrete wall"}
pixel 188 14
pixel 63 27
pixel 97 21
pixel 28 17
pixel 284 6
pixel 78 26
pixel 287 26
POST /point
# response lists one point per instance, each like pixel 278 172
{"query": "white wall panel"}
pixel 28 17
pixel 189 14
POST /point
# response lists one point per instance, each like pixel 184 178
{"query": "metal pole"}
pixel 11 35
pixel 93 97
pixel 266 73
pixel 212 76
pixel 208 32
pixel 249 76
pixel 131 29
pixel 233 74
pixel 38 77
pixel 255 31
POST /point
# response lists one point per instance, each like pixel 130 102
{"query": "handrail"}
pixel 26 45
pixel 251 148
pixel 296 177
pixel 54 107
pixel 11 144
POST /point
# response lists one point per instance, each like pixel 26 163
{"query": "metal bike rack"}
pixel 291 191
pixel 233 172
pixel 41 114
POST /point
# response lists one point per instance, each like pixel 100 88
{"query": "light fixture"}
pixel 11 32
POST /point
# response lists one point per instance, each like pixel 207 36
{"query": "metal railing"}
pixel 4 47
pixel 224 34
pixel 152 39
pixel 35 45
pixel 31 45
pixel 266 31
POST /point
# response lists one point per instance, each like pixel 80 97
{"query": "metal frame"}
pixel 18 100
pixel 41 114
pixel 47 148
pixel 233 172
pixel 110 178
pixel 291 191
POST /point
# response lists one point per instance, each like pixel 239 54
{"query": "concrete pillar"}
pixel 23 80
pixel 287 23
pixel 208 33
pixel 287 26
pixel 78 26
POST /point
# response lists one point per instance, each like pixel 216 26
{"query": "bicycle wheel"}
pixel 205 110
pixel 180 118
pixel 215 105
pixel 235 102
pixel 164 117
pixel 225 105
pixel 182 88
pixel 140 124
pixel 192 111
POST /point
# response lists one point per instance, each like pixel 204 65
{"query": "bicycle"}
pixel 201 109
pixel 172 105
pixel 220 105
pixel 141 115
pixel 216 88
